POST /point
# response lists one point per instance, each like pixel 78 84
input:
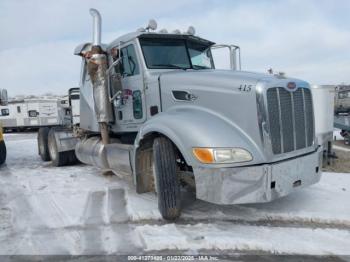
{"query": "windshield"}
pixel 176 54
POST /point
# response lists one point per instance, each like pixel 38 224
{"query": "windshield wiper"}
pixel 172 66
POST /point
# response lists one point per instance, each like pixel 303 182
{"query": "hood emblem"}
pixel 291 86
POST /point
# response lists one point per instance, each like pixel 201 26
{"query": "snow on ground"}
pixel 77 210
pixel 323 203
pixel 225 236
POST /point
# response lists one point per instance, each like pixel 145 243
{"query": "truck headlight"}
pixel 221 155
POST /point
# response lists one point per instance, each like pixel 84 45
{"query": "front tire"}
pixel 167 182
pixel 43 147
pixel 2 152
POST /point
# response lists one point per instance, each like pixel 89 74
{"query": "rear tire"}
pixel 72 158
pixel 57 158
pixel 167 182
pixel 43 147
pixel 2 152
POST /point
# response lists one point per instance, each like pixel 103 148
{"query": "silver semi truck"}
pixel 153 105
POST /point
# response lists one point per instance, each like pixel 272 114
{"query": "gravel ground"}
pixel 341 164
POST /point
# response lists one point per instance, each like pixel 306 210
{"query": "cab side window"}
pixel 130 65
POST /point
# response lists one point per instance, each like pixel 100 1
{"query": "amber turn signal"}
pixel 204 155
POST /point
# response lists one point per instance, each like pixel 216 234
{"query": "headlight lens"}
pixel 222 155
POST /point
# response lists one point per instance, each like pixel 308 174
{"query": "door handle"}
pixel 184 95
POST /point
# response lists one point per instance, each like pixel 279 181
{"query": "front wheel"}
pixel 167 182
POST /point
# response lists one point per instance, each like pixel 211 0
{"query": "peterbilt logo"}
pixel 291 86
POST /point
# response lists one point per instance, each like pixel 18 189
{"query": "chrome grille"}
pixel 309 113
pixel 299 118
pixel 291 119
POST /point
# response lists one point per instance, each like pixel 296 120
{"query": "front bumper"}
pixel 261 183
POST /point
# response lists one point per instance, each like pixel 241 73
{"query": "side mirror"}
pixel 233 59
pixel 234 55
pixel 3 97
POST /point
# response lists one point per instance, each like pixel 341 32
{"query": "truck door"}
pixel 131 107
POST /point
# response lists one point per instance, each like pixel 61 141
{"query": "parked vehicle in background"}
pixel 342 99
pixel 3 102
pixel 32 113
pixel 323 101
pixel 152 105
pixel 342 111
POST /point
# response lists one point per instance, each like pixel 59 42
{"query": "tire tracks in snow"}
pixel 261 222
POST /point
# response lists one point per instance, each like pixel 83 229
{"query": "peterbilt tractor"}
pixel 3 101
pixel 153 106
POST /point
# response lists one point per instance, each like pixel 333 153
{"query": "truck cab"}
pixel 153 105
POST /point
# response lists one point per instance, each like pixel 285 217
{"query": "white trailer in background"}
pixel 33 113
pixel 323 101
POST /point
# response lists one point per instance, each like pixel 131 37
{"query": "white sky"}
pixel 306 39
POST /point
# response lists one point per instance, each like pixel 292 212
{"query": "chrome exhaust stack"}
pixel 96 27
pixel 97 66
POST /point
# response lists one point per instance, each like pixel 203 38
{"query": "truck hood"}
pixel 224 78
pixel 222 94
